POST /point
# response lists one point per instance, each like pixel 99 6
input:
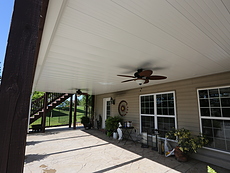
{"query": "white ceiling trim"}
pixel 55 10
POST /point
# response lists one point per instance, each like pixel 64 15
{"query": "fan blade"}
pixel 146 73
pixel 126 76
pixel 155 77
pixel 128 80
pixel 146 81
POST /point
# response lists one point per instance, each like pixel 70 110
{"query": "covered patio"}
pixel 68 45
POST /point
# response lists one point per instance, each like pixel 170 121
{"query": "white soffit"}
pixel 86 43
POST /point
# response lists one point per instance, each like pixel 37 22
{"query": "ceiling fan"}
pixel 143 77
pixel 79 93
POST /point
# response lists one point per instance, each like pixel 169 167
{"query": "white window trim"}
pixel 155 108
pixel 206 117
pixel 104 117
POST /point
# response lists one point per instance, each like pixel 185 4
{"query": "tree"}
pixel 37 94
pixel 87 105
pixel 83 101
pixel 66 103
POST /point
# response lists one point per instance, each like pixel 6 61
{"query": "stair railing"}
pixel 38 104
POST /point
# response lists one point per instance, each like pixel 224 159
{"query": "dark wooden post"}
pixel 92 110
pixel 44 112
pixel 75 112
pixel 17 80
pixel 93 104
pixel 86 105
pixel 70 111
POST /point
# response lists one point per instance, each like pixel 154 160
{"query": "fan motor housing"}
pixel 137 73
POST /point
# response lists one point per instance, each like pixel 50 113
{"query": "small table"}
pixel 127 131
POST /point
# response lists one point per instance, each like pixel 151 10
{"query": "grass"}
pixel 60 117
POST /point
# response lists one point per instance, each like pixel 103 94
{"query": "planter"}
pixel 114 135
pixel 187 144
pixel 87 126
pixel 179 155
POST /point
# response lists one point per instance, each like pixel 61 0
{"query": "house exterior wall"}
pixel 186 99
pixel 187 110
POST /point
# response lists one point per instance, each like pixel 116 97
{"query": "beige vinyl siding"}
pixel 185 93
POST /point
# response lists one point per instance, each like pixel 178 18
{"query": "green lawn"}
pixel 60 117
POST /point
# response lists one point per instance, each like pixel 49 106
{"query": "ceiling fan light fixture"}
pixel 143 77
pixel 78 92
pixel 140 81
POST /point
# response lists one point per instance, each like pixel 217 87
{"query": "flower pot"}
pixel 114 135
pixel 179 155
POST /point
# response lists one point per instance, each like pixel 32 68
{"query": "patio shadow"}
pixel 36 157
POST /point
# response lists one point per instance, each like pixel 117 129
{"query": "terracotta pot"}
pixel 179 155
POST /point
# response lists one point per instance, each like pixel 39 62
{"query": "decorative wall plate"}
pixel 123 108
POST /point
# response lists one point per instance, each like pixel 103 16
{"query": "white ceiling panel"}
pixel 87 43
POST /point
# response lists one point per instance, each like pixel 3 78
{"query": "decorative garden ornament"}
pixel 119 131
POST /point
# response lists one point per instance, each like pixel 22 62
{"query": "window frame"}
pixel 212 117
pixel 155 115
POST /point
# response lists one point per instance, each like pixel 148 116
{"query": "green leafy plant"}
pixel 37 94
pixel 111 124
pixel 210 170
pixel 85 121
pixel 186 142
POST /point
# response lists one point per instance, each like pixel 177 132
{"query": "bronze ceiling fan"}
pixel 79 93
pixel 143 77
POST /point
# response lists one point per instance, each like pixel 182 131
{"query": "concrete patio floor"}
pixel 64 150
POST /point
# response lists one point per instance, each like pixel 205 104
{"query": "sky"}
pixel 6 8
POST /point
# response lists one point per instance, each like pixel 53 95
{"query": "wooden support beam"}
pixel 17 80
pixel 93 104
pixel 92 110
pixel 44 112
pixel 70 111
pixel 75 112
pixel 86 105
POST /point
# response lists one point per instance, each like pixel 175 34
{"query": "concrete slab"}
pixel 64 150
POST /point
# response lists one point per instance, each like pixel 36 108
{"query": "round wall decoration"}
pixel 123 108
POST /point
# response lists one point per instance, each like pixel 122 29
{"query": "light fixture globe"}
pixel 140 81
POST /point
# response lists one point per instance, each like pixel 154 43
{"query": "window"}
pixel 158 112
pixel 214 106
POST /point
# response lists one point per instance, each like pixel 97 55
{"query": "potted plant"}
pixel 86 122
pixel 111 124
pixel 187 144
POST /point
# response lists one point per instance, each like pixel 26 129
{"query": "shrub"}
pixel 111 124
pixel 85 120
